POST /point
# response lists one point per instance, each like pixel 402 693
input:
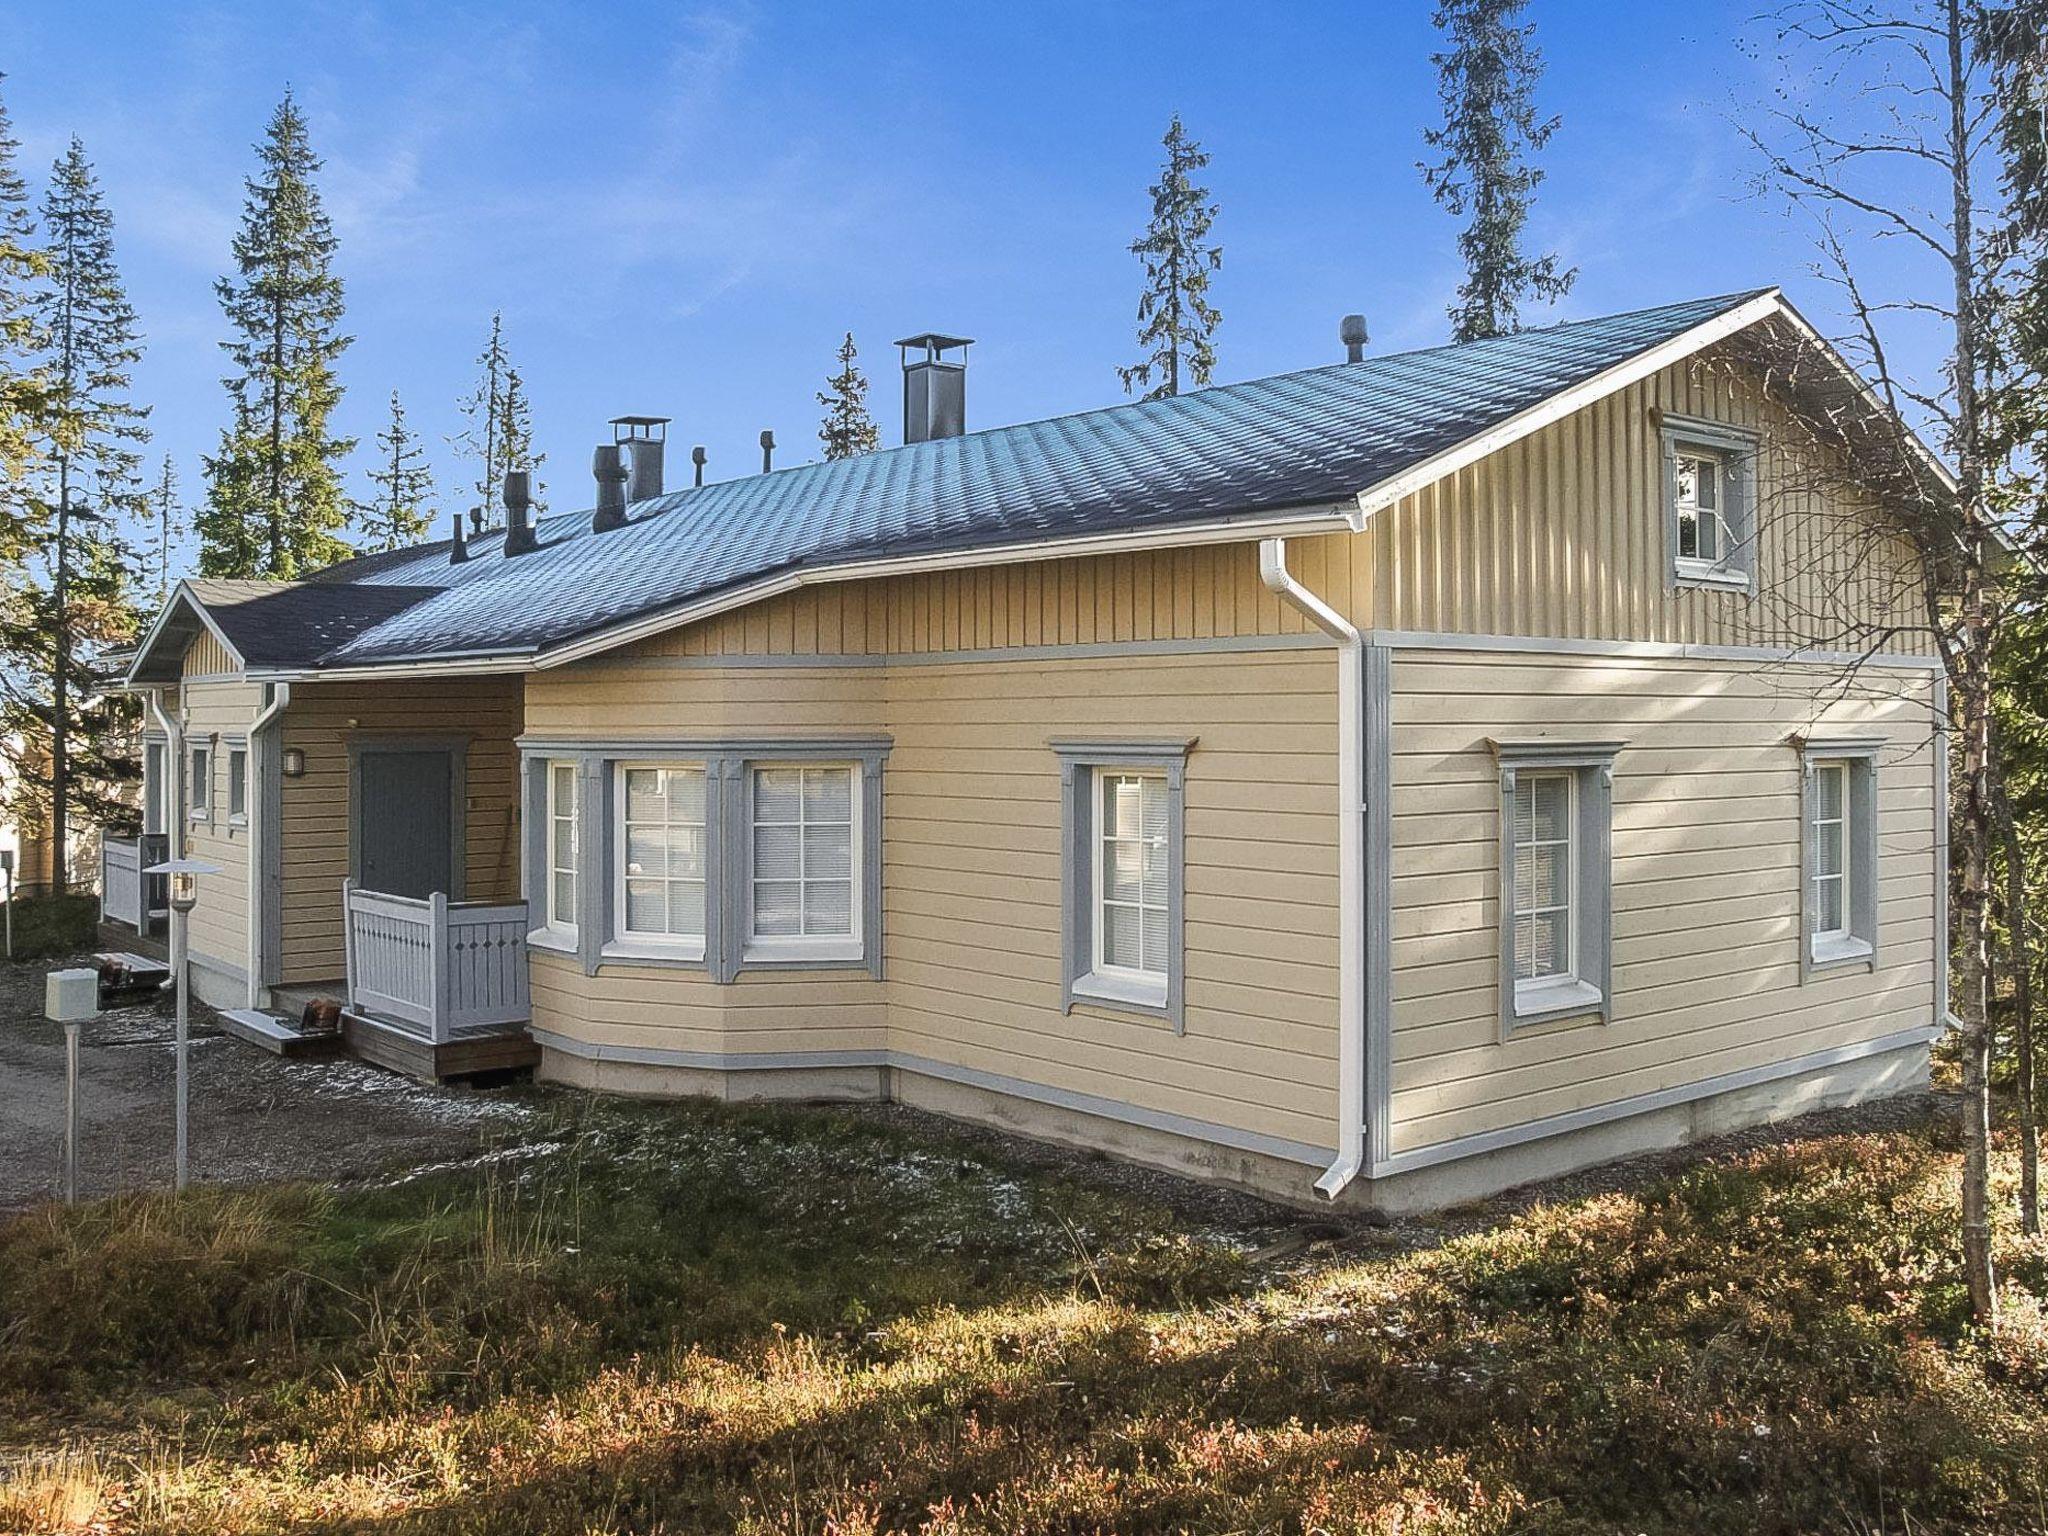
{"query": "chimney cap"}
pixel 934 342
pixel 625 427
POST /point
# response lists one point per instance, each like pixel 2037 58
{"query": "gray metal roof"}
pixel 1266 446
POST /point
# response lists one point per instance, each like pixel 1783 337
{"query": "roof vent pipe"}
pixel 459 550
pixel 1351 331
pixel 767 451
pixel 697 458
pixel 645 439
pixel 934 386
pixel 609 465
pixel 519 537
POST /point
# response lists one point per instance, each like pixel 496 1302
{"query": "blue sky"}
pixel 681 208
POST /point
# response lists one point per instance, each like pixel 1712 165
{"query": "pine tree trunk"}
pixel 1975 957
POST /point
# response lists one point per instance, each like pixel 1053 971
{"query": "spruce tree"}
pixel 166 526
pixel 402 509
pixel 75 599
pixel 1176 322
pixel 25 424
pixel 1487 83
pixel 847 429
pixel 284 302
pixel 499 434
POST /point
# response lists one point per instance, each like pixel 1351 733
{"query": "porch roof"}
pixel 1284 453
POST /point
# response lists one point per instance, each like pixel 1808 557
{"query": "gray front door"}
pixel 405 833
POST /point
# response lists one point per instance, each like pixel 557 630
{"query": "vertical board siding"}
pixel 971 873
pixel 320 720
pixel 1562 535
pixel 207 657
pixel 1707 879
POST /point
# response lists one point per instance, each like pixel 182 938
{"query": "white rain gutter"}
pixel 259 831
pixel 1350 863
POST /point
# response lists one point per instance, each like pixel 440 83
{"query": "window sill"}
pixel 1537 1002
pixel 238 821
pixel 647 951
pixel 812 952
pixel 1127 994
pixel 553 939
pixel 1698 573
pixel 1826 954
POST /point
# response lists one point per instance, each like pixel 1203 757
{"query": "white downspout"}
pixel 1350 863
pixel 259 832
pixel 174 769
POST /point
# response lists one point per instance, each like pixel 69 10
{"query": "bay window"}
pixel 659 854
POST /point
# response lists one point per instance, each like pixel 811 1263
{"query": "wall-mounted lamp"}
pixel 294 762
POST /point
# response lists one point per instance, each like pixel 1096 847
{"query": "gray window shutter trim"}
pixel 533 844
pixel 593 861
pixel 1592 765
pixel 1860 753
pixel 1078 761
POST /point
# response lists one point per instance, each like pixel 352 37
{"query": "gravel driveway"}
pixel 254 1115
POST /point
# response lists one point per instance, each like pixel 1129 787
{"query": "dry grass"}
pixel 703 1318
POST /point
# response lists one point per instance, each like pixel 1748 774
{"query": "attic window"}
pixel 1710 503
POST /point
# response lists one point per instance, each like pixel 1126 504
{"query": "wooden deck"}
pixel 401 1050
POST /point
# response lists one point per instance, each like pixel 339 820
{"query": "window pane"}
pixel 828 852
pixel 777 853
pixel 686 852
pixel 1688 486
pixel 1152 799
pixel 1708 480
pixel 1548 870
pixel 646 906
pixel 686 908
pixel 1710 537
pixel 828 794
pixel 1552 798
pixel 1827 848
pixel 1120 937
pixel 1121 873
pixel 565 788
pixel 564 843
pixel 1154 935
pixel 1155 873
pixel 1827 915
pixel 1827 792
pixel 563 909
pixel 828 906
pixel 1550 945
pixel 778 794
pixel 778 908
pixel 1525 808
pixel 646 851
pixel 686 795
pixel 1689 535
pixel 643 794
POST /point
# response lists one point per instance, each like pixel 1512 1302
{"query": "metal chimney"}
pixel 767 451
pixel 934 386
pixel 459 550
pixel 519 536
pixel 644 438
pixel 608 464
pixel 1351 331
pixel 699 458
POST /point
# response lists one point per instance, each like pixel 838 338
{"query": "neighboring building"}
pixel 1401 778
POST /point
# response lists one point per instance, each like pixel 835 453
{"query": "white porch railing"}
pixel 440 969
pixel 127 895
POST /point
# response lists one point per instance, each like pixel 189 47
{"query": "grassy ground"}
pixel 706 1318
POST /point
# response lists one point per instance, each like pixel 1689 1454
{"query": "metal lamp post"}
pixel 184 882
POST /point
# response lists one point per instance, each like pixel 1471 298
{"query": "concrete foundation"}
pixel 1447 1182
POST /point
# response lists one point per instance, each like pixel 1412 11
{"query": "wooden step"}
pixel 278 1036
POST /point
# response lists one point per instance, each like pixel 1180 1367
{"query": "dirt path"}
pixel 254 1115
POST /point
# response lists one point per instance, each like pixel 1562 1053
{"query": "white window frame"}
pixel 1852 946
pixel 199 780
pixel 1585 989
pixel 237 753
pixel 1734 449
pixel 1127 983
pixel 846 947
pixel 552 922
pixel 625 942
pixel 1538 994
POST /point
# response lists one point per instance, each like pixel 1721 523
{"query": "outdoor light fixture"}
pixel 184 883
pixel 294 762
